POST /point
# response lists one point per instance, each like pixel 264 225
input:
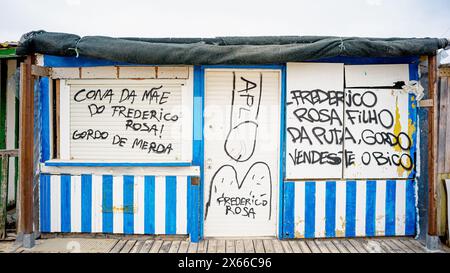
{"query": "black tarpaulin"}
pixel 223 50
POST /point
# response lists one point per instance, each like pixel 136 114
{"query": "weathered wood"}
pixel 357 245
pixel 341 248
pixel 304 247
pixel 184 245
pixel 320 244
pixel 156 246
pixel 137 247
pixel 277 246
pixel 259 246
pixel 403 246
pixel 174 247
pixel 202 246
pixel 372 245
pixel 239 246
pixel 432 146
pixel 40 71
pixel 230 246
pixel 128 246
pixel 312 246
pixel 212 246
pixel 331 246
pixel 26 147
pixel 118 246
pixel 192 247
pixel 3 194
pixel 286 246
pixel 348 246
pixel 221 246
pixel 268 246
pixel 393 247
pixel 10 153
pixel 416 243
pixel 426 103
pixel 165 247
pixel 294 246
pixel 146 247
pixel 248 246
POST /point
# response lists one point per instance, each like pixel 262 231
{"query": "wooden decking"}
pixel 356 245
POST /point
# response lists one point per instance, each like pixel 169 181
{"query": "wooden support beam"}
pixel 432 145
pixel 26 147
pixel 40 71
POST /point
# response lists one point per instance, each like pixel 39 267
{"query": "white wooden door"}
pixel 241 130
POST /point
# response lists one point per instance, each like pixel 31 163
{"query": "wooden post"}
pixel 432 146
pixel 26 151
pixel 3 195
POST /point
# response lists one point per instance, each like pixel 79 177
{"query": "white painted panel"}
pixel 374 128
pixel 154 124
pixel 314 117
pixel 242 125
pixel 320 209
pixel 400 207
pixel 160 205
pixel 55 203
pixel 173 72
pixel 341 199
pixel 97 204
pixel 137 72
pixel 118 204
pixel 138 204
pixel 181 205
pixel 380 208
pixel 375 75
pixel 65 72
pixel 64 116
pixel 11 124
pixel 99 72
pixel 360 221
pixel 299 209
pixel 75 203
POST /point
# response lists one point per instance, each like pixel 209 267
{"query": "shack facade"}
pixel 268 137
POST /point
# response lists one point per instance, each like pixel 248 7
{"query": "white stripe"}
pixel 97 197
pixel 320 209
pixel 160 205
pixel 341 201
pixel 55 203
pixel 299 209
pixel 75 203
pixel 138 204
pixel 380 208
pixel 117 204
pixel 400 207
pixel 360 221
pixel 181 205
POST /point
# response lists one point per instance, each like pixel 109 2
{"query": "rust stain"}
pixel 397 131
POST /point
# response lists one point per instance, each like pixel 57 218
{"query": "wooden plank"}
pixel 174 247
pixel 128 246
pixel 136 72
pixel 331 246
pixel 221 246
pixel 443 117
pixel 312 246
pixel 212 246
pixel 304 247
pixel 393 247
pixel 348 246
pixel 99 72
pixel 268 246
pixel 277 246
pixel 447 130
pixel 432 145
pixel 146 246
pixel 320 244
pixel 156 246
pixel 240 246
pixel 416 243
pixel 184 245
pixel 118 246
pixel 411 245
pixel 165 247
pixel 230 246
pixel 340 246
pixel 357 245
pixel 372 245
pixel 192 247
pixel 173 72
pixel 65 73
pixel 4 194
pixel 137 247
pixel 40 71
pixel 259 246
pixel 202 246
pixel 294 246
pixel 248 246
pixel 404 247
pixel 286 246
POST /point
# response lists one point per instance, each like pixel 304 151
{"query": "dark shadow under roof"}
pixel 223 50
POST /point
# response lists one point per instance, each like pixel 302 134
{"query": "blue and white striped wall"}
pixel 115 204
pixel 315 209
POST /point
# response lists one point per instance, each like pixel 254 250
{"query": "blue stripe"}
pixel 128 205
pixel 45 203
pixel 65 203
pixel 330 209
pixel 107 204
pixel 390 208
pixel 371 190
pixel 310 209
pixel 410 209
pixel 86 203
pixel 45 119
pixel 289 202
pixel 350 209
pixel 282 152
pixel 149 205
pixel 171 204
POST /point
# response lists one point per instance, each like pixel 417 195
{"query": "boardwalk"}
pixel 356 245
